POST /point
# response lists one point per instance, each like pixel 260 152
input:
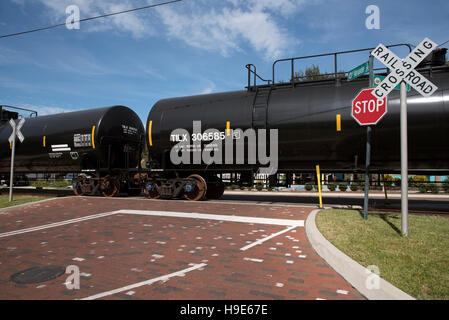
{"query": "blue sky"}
pixel 186 48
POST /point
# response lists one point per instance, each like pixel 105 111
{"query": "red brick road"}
pixel 125 249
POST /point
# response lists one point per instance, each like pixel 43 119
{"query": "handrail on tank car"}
pixel 335 54
pixel 250 70
pixel 18 108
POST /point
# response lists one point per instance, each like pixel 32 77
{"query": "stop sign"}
pixel 367 109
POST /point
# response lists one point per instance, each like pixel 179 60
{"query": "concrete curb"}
pixel 349 269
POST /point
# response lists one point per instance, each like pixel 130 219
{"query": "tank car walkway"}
pixel 154 249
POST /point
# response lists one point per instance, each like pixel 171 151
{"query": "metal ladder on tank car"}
pixel 260 107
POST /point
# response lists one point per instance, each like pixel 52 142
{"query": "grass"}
pixel 18 199
pixel 57 184
pixel 417 264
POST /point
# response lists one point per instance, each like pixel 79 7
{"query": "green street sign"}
pixel 357 72
pixel 378 80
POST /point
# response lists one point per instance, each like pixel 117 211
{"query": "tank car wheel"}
pixel 77 185
pixel 109 187
pixel 198 191
pixel 152 190
pixel 215 190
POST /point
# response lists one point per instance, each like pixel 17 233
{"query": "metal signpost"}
pixel 367 110
pixel 12 140
pixel 403 71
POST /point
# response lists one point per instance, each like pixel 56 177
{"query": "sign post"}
pixel 404 71
pixel 12 140
pixel 367 110
pixel 404 161
pixel 368 147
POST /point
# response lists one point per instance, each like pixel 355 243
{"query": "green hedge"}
pixel 57 184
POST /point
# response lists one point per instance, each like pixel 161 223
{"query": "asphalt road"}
pixel 421 203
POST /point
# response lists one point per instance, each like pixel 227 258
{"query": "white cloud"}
pixel 132 22
pixel 19 2
pixel 227 29
pixel 209 89
pixel 283 7
pixel 45 110
pixel 226 26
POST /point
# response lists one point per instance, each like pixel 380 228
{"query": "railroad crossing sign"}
pixel 16 130
pixel 402 72
pixel 368 109
pixel 405 69
pixel 12 139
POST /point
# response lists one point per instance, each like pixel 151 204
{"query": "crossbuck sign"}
pixel 16 132
pixel 12 139
pixel 404 69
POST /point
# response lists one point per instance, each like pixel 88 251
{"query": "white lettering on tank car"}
pixel 82 140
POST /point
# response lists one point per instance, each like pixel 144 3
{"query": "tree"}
pixel 312 73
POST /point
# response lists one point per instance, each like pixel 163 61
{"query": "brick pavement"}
pixel 204 256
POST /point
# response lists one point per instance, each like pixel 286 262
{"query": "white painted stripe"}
pixel 57 224
pixel 147 282
pixel 280 222
pixel 59 145
pixel 78 259
pixel 260 241
pixel 193 215
pixel 342 291
pixel 60 149
pixel 253 259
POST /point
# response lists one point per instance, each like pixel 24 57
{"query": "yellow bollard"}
pixel 319 185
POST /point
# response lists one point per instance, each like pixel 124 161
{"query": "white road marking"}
pixel 268 238
pixel 56 224
pixel 193 215
pixel 147 282
pixel 78 259
pixel 342 291
pixel 253 259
